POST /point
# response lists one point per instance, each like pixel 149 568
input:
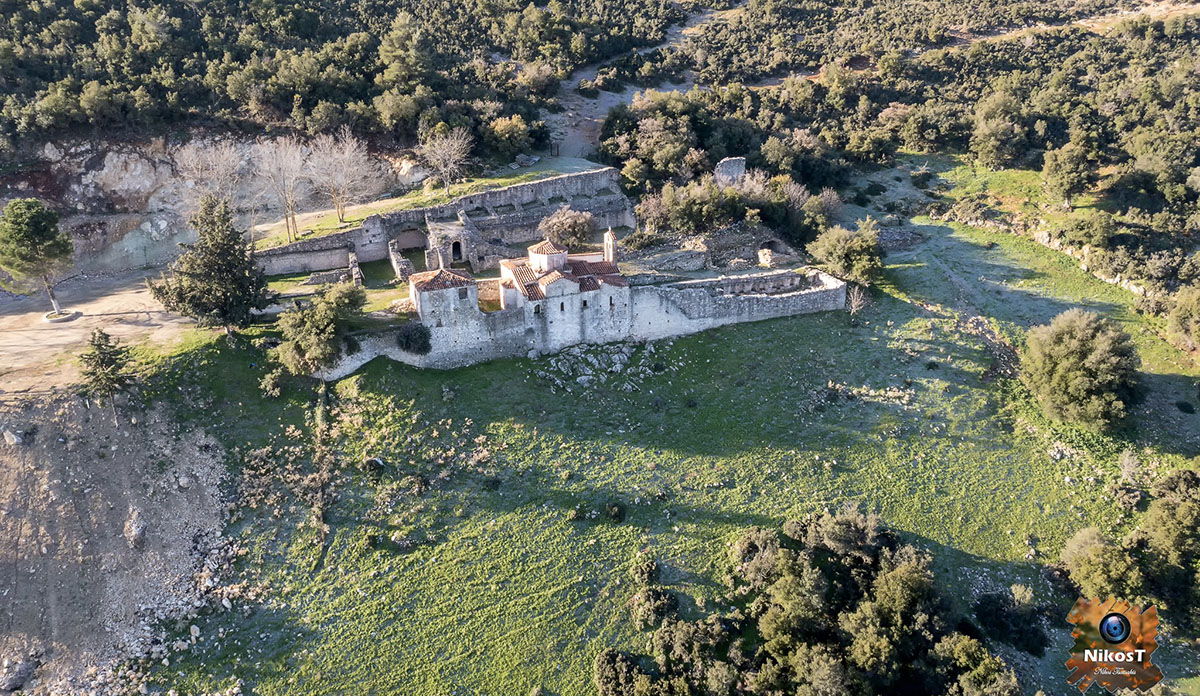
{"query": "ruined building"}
pixel 552 299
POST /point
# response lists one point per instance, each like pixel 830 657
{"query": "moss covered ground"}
pixel 507 574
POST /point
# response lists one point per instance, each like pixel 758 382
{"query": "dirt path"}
pixel 577 128
pixel 35 355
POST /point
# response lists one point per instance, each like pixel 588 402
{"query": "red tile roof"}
pixel 554 277
pixel 547 247
pixel 441 279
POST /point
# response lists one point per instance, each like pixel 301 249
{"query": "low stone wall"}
pixel 1042 236
pixel 510 214
pixel 614 314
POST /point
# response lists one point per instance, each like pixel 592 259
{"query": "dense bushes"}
pixel 1158 562
pixel 1090 102
pixel 1183 322
pixel 834 605
pixel 413 337
pixel 570 228
pixel 703 207
pixel 1081 369
pixel 853 255
pixel 315 64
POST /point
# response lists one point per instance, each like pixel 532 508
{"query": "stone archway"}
pixel 456 251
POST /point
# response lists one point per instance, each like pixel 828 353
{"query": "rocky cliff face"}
pixel 125 204
pixel 122 202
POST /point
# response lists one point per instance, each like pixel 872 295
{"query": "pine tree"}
pixel 216 280
pixel 33 249
pixel 105 369
pixel 313 336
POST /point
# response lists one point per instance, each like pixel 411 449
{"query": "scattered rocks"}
pixel 12 438
pixel 16 675
pixel 623 366
pixel 135 529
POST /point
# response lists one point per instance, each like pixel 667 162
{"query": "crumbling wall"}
pixel 688 307
pixel 612 314
pixel 509 215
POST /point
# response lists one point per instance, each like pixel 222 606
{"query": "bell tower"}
pixel 610 246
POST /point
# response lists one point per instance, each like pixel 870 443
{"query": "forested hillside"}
pixel 1068 101
pixel 312 63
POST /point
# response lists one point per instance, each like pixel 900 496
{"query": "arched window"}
pixel 585 304
pixel 562 306
pixel 537 309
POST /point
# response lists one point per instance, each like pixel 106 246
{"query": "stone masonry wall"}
pixel 613 314
pixel 510 214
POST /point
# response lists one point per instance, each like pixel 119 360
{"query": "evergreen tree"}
pixel 33 249
pixel 105 369
pixel 1067 172
pixel 216 280
pixel 313 335
pixel 851 254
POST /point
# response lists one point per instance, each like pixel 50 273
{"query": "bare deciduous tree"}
pixel 215 169
pixel 856 300
pixel 343 170
pixel 446 154
pixel 282 165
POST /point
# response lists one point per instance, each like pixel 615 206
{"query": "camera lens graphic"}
pixel 1115 628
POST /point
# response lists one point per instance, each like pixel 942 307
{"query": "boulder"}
pixel 16 675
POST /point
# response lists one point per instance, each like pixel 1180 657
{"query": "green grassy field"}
pixel 493 589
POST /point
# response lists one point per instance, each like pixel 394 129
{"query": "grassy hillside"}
pixel 492 587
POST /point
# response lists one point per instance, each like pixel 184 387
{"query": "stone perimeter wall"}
pixel 634 313
pixel 510 214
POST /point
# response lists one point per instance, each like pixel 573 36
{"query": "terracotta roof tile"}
pixel 524 274
pixel 547 247
pixel 588 284
pixel 554 277
pixel 534 292
pixel 440 279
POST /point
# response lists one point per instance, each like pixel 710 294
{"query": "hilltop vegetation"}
pixel 1077 107
pixel 312 64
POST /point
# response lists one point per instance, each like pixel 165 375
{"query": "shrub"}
pixel 645 571
pixel 651 605
pixel 1101 569
pixel 615 673
pixel 567 227
pixel 641 239
pixel 850 254
pixel 1095 230
pixel 272 383
pixel 413 337
pixel 1183 322
pixel 1081 369
pixel 1008 616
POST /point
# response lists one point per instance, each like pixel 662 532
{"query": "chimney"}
pixel 610 246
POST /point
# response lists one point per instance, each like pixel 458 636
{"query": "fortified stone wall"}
pixel 465 336
pixel 510 214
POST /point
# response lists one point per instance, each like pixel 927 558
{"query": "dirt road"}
pixel 35 355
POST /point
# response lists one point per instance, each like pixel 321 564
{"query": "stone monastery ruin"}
pixel 549 299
